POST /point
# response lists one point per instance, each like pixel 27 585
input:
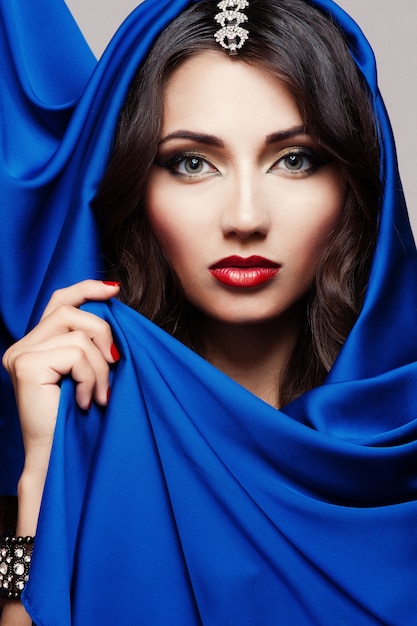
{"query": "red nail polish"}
pixel 90 405
pixel 111 283
pixel 115 353
pixel 108 394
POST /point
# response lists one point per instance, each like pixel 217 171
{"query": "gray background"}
pixel 391 28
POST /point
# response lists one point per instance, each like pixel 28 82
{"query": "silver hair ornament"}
pixel 231 36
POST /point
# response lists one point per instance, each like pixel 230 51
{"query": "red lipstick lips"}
pixel 236 271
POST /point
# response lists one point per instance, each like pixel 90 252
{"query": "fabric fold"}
pixel 189 480
pixel 189 500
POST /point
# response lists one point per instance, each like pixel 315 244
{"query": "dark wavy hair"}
pixel 299 44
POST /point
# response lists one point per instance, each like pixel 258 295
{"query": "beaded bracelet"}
pixel 15 558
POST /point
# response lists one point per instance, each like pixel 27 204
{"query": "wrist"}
pixel 29 495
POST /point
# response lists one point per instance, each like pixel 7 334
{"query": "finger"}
pixel 63 320
pixel 95 358
pixel 66 319
pixel 81 292
pixel 39 371
pixel 36 376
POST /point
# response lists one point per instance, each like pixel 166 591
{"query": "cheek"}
pixel 161 215
pixel 181 219
pixel 315 230
pixel 172 226
pixel 167 235
pixel 161 225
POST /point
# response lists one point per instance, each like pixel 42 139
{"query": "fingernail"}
pixel 108 394
pixel 115 353
pixel 111 283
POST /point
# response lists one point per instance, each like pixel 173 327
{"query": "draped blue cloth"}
pixel 188 500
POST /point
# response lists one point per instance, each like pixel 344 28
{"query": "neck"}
pixel 255 356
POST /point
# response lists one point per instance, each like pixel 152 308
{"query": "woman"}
pixel 193 496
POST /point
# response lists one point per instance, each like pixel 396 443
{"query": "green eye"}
pixel 299 161
pixel 189 166
pixel 193 165
pixel 295 162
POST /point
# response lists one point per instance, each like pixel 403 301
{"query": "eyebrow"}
pixel 212 140
pixel 282 135
pixel 209 140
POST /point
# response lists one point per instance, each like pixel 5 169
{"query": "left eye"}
pixel 298 161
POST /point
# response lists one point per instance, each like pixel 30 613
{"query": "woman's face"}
pixel 241 199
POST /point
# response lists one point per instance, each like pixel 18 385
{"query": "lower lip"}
pixel 244 276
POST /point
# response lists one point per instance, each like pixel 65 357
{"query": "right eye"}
pixel 191 166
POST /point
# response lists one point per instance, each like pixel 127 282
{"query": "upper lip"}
pixel 238 261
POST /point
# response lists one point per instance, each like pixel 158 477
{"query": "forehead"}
pixel 212 88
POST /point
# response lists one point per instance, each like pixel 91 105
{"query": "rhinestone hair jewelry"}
pixel 231 36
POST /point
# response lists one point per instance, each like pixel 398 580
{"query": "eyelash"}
pixel 173 163
pixel 317 161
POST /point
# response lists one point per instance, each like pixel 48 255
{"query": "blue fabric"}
pixel 57 117
pixel 189 500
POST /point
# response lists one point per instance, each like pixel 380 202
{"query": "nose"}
pixel 245 213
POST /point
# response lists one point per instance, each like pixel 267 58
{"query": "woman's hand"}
pixel 66 341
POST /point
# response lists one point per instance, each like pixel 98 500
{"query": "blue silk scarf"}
pixel 189 500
